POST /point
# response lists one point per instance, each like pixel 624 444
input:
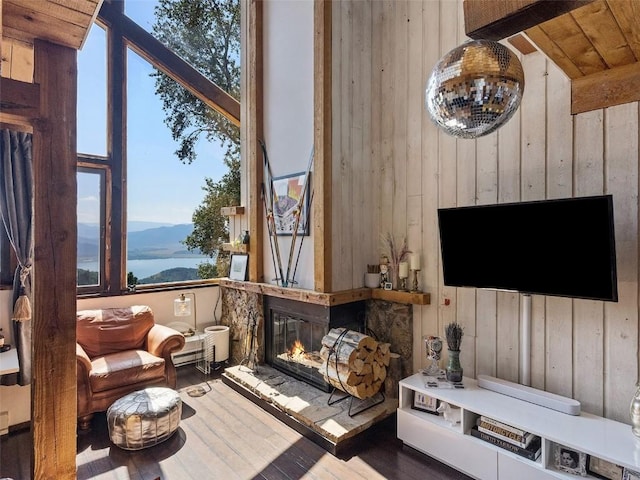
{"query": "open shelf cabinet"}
pixel 454 445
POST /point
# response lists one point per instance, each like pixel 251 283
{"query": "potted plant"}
pixel 453 333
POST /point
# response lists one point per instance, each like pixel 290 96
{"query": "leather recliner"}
pixel 118 351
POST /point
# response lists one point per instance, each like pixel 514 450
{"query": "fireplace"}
pixel 294 331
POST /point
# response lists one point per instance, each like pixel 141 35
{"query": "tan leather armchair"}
pixel 118 351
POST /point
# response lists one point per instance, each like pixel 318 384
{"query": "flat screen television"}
pixel 563 247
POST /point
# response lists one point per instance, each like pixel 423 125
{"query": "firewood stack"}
pixel 354 362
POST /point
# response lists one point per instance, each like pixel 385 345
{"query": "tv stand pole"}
pixel 525 341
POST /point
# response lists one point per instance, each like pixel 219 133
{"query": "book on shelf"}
pixel 518 440
pixel 506 426
pixel 531 452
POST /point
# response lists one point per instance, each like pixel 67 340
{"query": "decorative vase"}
pixel 634 411
pixel 454 369
pixel 433 346
pixel 372 280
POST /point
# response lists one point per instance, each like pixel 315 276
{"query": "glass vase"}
pixel 433 347
pixel 634 412
pixel 454 369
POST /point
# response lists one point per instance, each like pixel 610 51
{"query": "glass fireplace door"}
pixel 296 347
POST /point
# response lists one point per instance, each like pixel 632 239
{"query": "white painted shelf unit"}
pixel 431 434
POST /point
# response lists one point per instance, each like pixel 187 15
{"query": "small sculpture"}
pixel 451 414
pixel 384 272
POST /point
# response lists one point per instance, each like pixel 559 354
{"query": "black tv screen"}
pixel 563 247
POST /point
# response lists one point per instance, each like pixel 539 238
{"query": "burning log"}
pixel 354 362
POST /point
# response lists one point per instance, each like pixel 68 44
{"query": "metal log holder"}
pixel 362 404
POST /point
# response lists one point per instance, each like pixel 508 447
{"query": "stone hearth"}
pixel 305 408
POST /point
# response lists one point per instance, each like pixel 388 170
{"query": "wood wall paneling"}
pixel 588 315
pixel 17 60
pixel 533 148
pixel 415 110
pixel 486 300
pixel 426 319
pixel 621 319
pixel 542 152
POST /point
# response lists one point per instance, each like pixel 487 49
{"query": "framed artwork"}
pixel 238 269
pixel 287 192
pixel 603 469
pixel 629 474
pixel 569 460
pixel 424 403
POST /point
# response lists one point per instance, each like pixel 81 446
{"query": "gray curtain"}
pixel 16 209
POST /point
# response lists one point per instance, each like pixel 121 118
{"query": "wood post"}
pixel 53 387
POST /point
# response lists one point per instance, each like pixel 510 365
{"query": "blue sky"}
pixel 160 188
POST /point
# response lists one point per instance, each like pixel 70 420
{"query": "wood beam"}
pixel 115 274
pixel 605 89
pixel 253 128
pixel 498 19
pixel 171 64
pixel 523 45
pixel 19 99
pixel 53 386
pixel 322 207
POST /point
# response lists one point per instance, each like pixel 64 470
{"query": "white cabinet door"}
pixel 449 446
pixel 511 468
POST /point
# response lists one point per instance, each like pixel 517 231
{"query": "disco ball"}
pixel 475 89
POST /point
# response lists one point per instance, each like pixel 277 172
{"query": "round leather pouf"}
pixel 144 418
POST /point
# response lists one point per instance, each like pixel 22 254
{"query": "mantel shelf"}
pixel 329 299
pixel 415 298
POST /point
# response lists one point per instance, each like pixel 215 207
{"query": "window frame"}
pixel 122 34
pixel 97 165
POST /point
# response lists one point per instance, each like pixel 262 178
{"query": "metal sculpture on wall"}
pixel 475 89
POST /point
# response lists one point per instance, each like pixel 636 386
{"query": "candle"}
pixel 415 261
pixel 403 270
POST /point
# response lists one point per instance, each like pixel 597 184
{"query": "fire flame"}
pixel 297 349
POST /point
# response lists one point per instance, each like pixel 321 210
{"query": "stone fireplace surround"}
pixel 386 321
pixel 304 407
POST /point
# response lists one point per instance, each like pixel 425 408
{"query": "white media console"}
pixel 433 435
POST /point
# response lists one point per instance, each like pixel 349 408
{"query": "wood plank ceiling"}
pixel 596 43
pixel 65 22
pixel 598 47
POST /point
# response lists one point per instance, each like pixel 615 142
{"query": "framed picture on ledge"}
pixel 569 460
pixel 424 403
pixel 603 469
pixel 238 268
pixel 630 474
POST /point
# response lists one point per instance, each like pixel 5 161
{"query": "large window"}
pixel 155 166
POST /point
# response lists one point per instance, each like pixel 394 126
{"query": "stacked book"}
pixel 510 438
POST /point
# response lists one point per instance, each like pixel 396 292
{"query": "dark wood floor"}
pixel 223 435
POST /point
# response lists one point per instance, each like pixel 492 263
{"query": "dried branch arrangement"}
pixel 396 253
pixel 453 332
